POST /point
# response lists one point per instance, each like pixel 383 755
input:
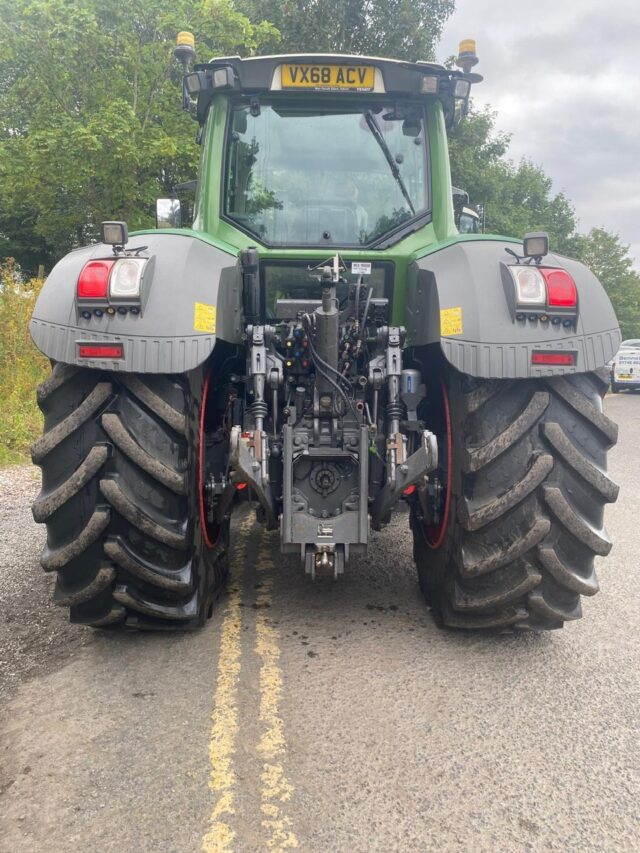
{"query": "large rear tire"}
pixel 523 486
pixel 121 499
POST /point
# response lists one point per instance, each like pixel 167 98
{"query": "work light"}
pixel 429 85
pixel 194 82
pixel 114 233
pixel 461 88
pixel 536 244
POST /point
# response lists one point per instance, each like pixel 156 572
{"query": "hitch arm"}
pixel 245 468
pixel 420 463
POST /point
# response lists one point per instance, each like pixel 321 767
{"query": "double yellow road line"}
pixel 275 790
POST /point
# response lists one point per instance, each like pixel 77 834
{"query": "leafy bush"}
pixel 21 365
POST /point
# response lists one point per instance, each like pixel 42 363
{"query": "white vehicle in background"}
pixel 469 222
pixel 625 370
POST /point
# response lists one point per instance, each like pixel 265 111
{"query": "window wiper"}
pixel 379 138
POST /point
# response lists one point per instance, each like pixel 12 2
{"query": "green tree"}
pixel 517 198
pixel 610 261
pixel 401 29
pixel 90 119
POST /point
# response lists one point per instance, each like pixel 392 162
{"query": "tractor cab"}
pixel 325 152
pixel 349 172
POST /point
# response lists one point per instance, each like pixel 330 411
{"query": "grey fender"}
pixel 482 337
pixel 169 335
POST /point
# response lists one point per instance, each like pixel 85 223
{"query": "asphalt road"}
pixel 323 717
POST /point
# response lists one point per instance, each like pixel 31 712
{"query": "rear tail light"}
pixel 119 279
pixel 126 277
pixel 93 282
pixel 561 288
pixel 543 287
pixel 100 351
pixel 530 286
pixel 554 358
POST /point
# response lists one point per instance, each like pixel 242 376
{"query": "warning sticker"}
pixel 360 268
pixel 204 317
pixel 450 321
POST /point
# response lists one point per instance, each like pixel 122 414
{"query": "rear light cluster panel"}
pixel 539 294
pixel 112 286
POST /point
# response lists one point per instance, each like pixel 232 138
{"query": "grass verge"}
pixel 22 367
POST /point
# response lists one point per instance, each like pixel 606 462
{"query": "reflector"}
pixel 100 351
pixel 93 281
pixel 557 358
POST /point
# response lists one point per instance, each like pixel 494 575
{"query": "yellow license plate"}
pixel 329 78
pixel 625 376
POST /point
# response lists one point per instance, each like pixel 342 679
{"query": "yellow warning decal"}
pixel 204 317
pixel 450 322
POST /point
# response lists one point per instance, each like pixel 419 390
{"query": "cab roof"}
pixel 260 73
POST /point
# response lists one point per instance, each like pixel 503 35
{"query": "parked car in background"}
pixel 625 368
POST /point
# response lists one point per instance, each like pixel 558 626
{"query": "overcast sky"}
pixel 564 79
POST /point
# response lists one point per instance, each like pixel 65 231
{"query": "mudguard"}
pixel 191 295
pixel 457 296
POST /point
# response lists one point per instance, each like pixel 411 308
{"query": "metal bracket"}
pixel 396 442
pixel 245 468
pixel 219 498
pixel 420 463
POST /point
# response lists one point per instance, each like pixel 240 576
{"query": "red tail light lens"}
pixel 561 288
pixel 93 282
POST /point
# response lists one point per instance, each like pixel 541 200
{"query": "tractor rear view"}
pixel 323 342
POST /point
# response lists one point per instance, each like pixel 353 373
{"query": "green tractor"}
pixel 324 343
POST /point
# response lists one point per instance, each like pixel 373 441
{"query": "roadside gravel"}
pixel 35 635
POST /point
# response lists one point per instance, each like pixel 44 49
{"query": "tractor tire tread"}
pixel 162 408
pixel 179 580
pixel 477 457
pixel 43 446
pixel 65 596
pixel 118 502
pixel 527 507
pixel 123 439
pixel 48 502
pixel 583 406
pixel 60 374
